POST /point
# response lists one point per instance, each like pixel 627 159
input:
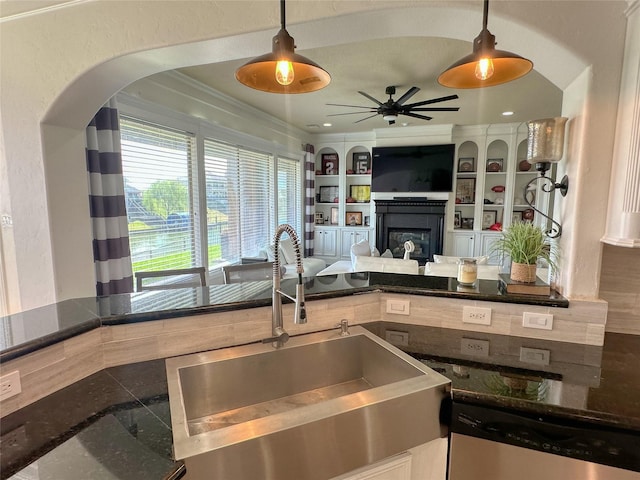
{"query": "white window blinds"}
pixel 256 201
pixel 157 165
pixel 289 193
pixel 239 185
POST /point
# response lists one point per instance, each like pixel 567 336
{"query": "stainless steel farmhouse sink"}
pixel 319 406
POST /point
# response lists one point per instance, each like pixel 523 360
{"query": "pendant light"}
pixel 486 66
pixel 283 70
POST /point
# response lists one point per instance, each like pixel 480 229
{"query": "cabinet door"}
pixel 318 242
pixel 331 243
pixel 394 468
pixel 361 235
pixel 463 244
pixel 349 237
pixel 486 245
pixel 325 244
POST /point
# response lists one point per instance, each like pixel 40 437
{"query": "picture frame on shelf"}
pixel 495 165
pixel 489 217
pixel 334 215
pixel 353 218
pixel 466 190
pixel 328 194
pixel 466 164
pixel 361 163
pixel 457 219
pixel 360 193
pixel 319 218
pixel 329 164
pixel 516 217
pixel 466 223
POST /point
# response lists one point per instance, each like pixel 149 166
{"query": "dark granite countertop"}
pixel 116 423
pixel 29 331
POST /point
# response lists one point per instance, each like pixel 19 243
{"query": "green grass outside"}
pixel 174 260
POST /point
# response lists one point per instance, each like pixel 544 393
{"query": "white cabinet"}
pixel 476 244
pixel 325 242
pixel 463 244
pixel 486 245
pixel 424 462
pixel 350 236
pixel 394 468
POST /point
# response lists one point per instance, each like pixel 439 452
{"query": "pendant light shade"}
pixel 283 70
pixel 486 66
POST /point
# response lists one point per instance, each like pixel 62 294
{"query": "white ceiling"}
pixel 371 66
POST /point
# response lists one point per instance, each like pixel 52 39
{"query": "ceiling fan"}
pixel 392 108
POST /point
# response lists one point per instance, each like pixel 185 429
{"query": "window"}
pixel 289 193
pixel 247 193
pixel 157 165
pixel 239 186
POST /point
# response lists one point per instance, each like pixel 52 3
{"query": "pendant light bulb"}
pixel 484 68
pixel 284 72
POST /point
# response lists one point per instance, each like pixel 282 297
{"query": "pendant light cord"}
pixel 485 14
pixel 283 15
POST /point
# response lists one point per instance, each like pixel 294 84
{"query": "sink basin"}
pixel 321 405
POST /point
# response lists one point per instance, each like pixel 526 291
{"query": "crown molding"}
pixel 39 11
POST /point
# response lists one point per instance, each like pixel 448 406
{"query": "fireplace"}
pixel 421 221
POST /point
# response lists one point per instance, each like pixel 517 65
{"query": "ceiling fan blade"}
pixel 433 100
pixel 370 97
pixel 342 105
pixel 349 113
pixel 415 115
pixel 367 118
pixel 407 95
pixel 436 109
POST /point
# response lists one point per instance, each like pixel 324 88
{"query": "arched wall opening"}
pixel 63 266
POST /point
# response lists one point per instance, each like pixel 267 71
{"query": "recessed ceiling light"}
pixel 313 125
pixel 327 124
pixel 405 124
pixel 507 114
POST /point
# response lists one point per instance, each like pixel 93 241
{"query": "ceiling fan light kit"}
pixel 486 66
pixel 283 70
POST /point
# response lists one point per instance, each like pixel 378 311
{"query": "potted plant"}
pixel 525 243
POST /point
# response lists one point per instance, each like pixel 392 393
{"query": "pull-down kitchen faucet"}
pixel 278 333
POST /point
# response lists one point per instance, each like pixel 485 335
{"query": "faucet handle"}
pixel 344 327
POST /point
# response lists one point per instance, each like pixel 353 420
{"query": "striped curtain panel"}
pixel 309 200
pixel 111 254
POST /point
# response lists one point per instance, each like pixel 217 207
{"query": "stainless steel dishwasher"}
pixel 490 443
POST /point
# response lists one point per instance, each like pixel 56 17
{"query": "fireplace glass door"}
pixel 421 238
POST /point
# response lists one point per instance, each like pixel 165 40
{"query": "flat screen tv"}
pixel 427 168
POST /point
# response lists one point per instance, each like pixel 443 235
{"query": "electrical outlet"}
pixel 399 307
pixel 477 315
pixel 10 385
pixel 473 346
pixel 542 321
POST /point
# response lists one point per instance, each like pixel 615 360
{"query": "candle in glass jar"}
pixel 467 271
